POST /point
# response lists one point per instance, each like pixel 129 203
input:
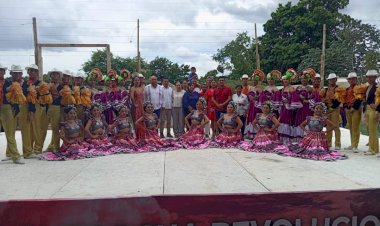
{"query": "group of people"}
pixel 97 115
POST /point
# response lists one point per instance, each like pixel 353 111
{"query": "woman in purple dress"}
pixel 230 125
pixel 96 134
pixel 70 132
pixel 266 139
pixel 307 97
pixel 270 93
pixel 149 137
pixel 314 145
pixel 195 121
pixel 122 131
pixel 253 97
pixel 287 99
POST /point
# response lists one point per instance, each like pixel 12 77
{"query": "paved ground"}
pixel 184 172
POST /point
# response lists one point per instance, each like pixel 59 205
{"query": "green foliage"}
pixel 238 56
pixel 164 66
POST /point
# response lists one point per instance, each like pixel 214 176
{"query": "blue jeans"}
pixel 218 113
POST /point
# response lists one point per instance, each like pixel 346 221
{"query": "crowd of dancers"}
pixel 96 115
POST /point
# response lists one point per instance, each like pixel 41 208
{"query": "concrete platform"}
pixel 184 172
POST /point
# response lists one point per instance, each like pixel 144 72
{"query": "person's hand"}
pixel 190 108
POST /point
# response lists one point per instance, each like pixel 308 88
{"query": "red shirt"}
pixel 221 94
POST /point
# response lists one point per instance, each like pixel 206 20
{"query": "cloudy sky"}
pixel 185 31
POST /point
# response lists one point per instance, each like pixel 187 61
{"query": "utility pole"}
pixel 257 50
pixel 138 47
pixel 323 56
pixel 37 60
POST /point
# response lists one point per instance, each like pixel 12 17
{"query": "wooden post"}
pixel 138 47
pixel 40 62
pixel 108 50
pixel 36 47
pixel 257 50
pixel 323 56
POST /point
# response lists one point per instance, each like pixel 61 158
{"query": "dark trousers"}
pixel 242 118
pixel 157 112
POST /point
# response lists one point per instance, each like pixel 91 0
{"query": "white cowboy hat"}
pixel 32 66
pixel 372 73
pixel 141 76
pixel 317 76
pixel 67 72
pixel 15 68
pixel 3 67
pixel 331 76
pixel 55 70
pixel 244 76
pixel 352 75
pixel 79 75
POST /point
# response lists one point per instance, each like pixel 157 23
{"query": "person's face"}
pixel 208 82
pixel 230 108
pixel 318 110
pixel 122 83
pixel 54 77
pixel 2 73
pixel 123 112
pixel 113 83
pixel 285 82
pixel 352 81
pixel 213 84
pixel 136 81
pixel 265 109
pixel 221 81
pixel 199 105
pixel 66 79
pixel 16 76
pixel 72 115
pixel 95 112
pixel 193 70
pixel 371 79
pixel 78 81
pixel 191 88
pixel 194 81
pixel 332 82
pixel 178 86
pixel 244 81
pixel 33 74
pixel 142 81
pixel 92 83
pixel 165 82
pixel 238 90
pixel 153 80
pixel 304 81
pixel 255 82
pixel 271 81
pixel 317 81
pixel 204 88
pixel 149 108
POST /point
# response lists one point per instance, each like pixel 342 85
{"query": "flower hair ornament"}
pixel 202 101
pixel 308 73
pixel 258 75
pixel 96 105
pixel 124 75
pixel 69 108
pixel 274 74
pixel 117 107
pixel 290 74
pixel 112 76
pixel 95 75
pixel 145 104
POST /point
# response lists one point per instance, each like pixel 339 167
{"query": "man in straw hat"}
pixel 332 104
pixel 372 113
pixel 244 82
pixel 353 110
pixel 9 111
pixel 28 122
pixel 54 110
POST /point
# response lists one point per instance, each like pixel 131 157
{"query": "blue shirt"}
pixel 190 99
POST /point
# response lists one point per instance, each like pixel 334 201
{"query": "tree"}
pixel 211 73
pixel 163 67
pixel 238 56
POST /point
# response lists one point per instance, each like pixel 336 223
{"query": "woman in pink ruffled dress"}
pixel 149 137
pixel 315 145
pixel 70 132
pixel 266 139
pixel 230 125
pixel 194 138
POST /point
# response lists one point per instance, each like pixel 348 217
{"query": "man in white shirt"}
pixel 166 109
pixel 153 94
pixel 242 105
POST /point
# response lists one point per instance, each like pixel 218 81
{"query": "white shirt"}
pixel 167 94
pixel 154 95
pixel 241 102
pixel 177 98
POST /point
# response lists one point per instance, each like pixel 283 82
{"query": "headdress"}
pixel 112 76
pixel 258 75
pixel 124 75
pixel 234 105
pixel 308 73
pixel 95 75
pixel 270 104
pixel 323 105
pixel 290 74
pixel 69 108
pixel 274 74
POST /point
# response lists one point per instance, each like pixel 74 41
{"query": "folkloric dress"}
pixel 194 138
pixel 314 145
pixel 228 139
pixel 253 97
